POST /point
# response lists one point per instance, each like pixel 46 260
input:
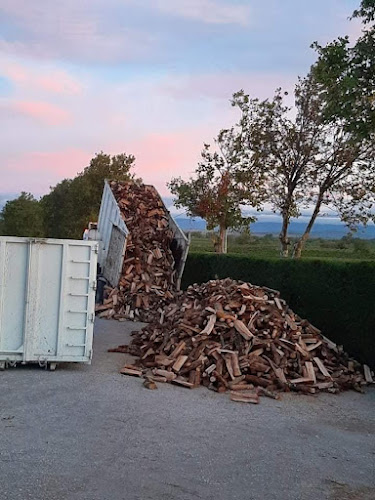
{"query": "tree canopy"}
pixel 72 203
pixel 22 217
pixel 308 162
pixel 221 184
pixel 346 73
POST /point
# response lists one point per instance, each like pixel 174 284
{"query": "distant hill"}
pixel 321 229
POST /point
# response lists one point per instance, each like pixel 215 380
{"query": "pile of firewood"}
pixel 148 279
pixel 233 336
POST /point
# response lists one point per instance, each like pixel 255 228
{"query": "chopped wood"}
pixel 156 378
pixel 310 371
pixel 312 347
pixel 182 381
pixel 202 341
pixel 242 329
pixel 301 380
pixel 135 372
pixel 210 325
pixel 243 397
pixel 323 385
pixel 181 360
pixel 180 347
pixel 241 387
pixel 148 280
pixel 166 374
pixel 235 365
pixel 322 368
pixel 150 384
pixel 368 376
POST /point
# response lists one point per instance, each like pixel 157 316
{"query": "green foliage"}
pixel 306 160
pixel 222 183
pixel 361 246
pixel 267 247
pixel 22 217
pixel 72 203
pixel 337 297
pixel 346 73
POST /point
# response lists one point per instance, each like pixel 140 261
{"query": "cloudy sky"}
pixel 147 77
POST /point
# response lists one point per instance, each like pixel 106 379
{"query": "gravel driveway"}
pixel 86 432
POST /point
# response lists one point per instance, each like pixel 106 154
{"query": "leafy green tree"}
pixel 72 203
pixel 22 217
pixel 308 161
pixel 282 147
pixel 221 184
pixel 59 211
pixel 346 73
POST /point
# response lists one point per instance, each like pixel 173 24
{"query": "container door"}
pixel 61 301
pixel 115 256
pixel 14 264
pixel 77 314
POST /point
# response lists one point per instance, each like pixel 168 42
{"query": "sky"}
pixel 152 78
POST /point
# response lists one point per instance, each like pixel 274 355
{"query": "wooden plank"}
pixel 210 325
pixel 242 329
pixel 322 368
pixel 135 372
pixel 182 381
pixel 310 371
pixel 179 363
pixel 367 373
pixel 243 397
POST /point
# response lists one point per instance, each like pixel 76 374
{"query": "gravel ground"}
pixel 86 432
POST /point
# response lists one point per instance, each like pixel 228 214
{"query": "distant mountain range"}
pixel 332 230
pixel 267 223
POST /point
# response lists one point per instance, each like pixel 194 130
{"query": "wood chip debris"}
pixel 264 353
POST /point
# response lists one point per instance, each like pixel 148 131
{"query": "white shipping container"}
pixel 47 300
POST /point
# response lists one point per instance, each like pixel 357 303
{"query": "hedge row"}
pixel 336 296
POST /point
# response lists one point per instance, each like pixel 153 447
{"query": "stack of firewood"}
pixel 148 279
pixel 233 336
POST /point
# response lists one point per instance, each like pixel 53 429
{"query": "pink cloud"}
pixel 41 111
pixel 36 171
pixel 46 79
pixel 159 157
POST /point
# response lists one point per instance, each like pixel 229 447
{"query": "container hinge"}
pixel 92 317
pixel 95 249
pixel 94 285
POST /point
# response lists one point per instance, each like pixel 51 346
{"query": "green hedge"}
pixel 336 296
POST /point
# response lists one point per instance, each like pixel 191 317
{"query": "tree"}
pixel 346 74
pixel 282 148
pixel 308 161
pixel 222 183
pixel 344 179
pixel 72 203
pixel 22 217
pixel 59 211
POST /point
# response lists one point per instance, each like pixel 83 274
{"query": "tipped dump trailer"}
pixel 113 235
pixel 47 300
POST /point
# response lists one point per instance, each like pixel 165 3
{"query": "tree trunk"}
pixel 298 247
pixel 222 244
pixel 283 237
